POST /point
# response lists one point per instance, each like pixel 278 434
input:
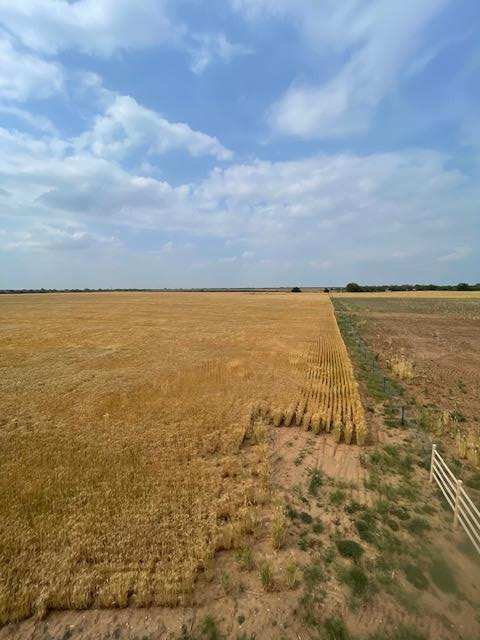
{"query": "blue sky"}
pixel 178 143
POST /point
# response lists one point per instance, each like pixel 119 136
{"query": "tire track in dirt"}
pixel 338 461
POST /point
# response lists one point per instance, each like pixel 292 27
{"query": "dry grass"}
pixel 402 367
pixel 130 449
pixel 468 447
pixel 279 526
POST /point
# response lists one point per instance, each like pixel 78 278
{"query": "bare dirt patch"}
pixel 441 338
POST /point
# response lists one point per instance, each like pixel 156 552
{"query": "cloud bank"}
pixel 253 142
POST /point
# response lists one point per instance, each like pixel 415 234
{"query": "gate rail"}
pixel 464 511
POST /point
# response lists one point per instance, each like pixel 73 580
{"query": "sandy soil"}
pixel 242 607
pixel 446 354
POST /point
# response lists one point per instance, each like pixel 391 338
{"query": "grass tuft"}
pixel 315 482
pixel 337 496
pixel 279 527
pixel 335 629
pixel 415 576
pixel 312 576
pixel 356 578
pixel 403 632
pixel 266 576
pixel 244 557
pixel 291 575
pixel 349 549
pixel 209 629
pixel 318 527
pixel 418 525
pixel 442 575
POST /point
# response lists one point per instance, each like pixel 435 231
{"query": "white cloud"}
pixel 323 112
pixel 458 253
pixel 104 27
pixel 39 122
pixel 126 126
pixel 211 47
pixel 367 201
pixel 91 26
pixel 63 193
pixel 48 237
pixel 373 44
pixel 24 75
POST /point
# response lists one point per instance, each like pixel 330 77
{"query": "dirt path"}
pixel 339 461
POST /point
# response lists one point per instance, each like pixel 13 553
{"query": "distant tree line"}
pixel 353 287
pixel 42 290
pixel 204 289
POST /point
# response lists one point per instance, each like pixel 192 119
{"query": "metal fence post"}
pixel 457 502
pixel 434 451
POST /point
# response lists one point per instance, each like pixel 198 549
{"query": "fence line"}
pixel 386 383
pixel 464 511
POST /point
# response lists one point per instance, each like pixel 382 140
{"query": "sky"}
pixel 230 143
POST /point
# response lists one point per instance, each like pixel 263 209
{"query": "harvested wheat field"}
pixel 131 434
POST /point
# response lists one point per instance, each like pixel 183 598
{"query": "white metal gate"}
pixel 464 511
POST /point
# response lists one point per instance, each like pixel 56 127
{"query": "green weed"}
pixel 337 496
pixel 353 507
pixel 335 629
pixel 366 526
pixel 355 578
pixel 442 575
pixel 266 576
pixel 312 576
pixel 401 633
pixel 415 576
pixel 318 527
pixel 349 549
pixel 316 481
pixel 417 525
pixel 305 517
pixel 244 557
pixel 209 629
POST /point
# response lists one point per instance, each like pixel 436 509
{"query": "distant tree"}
pixel 463 286
pixel 296 290
pixel 353 287
pixel 326 290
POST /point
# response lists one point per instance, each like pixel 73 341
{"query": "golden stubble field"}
pixel 131 434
